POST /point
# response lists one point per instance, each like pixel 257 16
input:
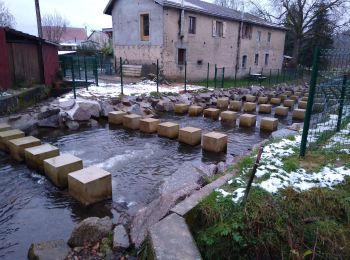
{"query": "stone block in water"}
pixel 304 99
pixel 298 93
pixel 4 127
pixel 195 110
pixel 228 116
pixel 265 108
pixel 36 155
pixel 213 113
pixel 190 135
pixel 250 98
pixel 288 93
pixel 168 129
pixel 132 121
pixel 294 97
pixel 215 142
pixel 247 120
pixel 275 101
pixel 17 146
pixel 222 103
pixel 116 117
pixel 149 125
pixel 263 100
pixel 289 103
pixel 281 111
pixel 282 97
pixel 299 114
pixel 249 107
pixel 269 124
pixel 8 135
pixel 235 105
pixel 90 185
pixel 181 108
pixel 57 168
pixel 302 104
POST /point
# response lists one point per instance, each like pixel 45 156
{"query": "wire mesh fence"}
pixel 327 118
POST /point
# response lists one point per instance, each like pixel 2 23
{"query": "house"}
pixel 97 39
pixel 69 38
pixel 196 32
pixel 26 59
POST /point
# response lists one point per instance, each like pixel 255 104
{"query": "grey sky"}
pixel 79 13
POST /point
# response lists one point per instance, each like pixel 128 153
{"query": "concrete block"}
pixel 281 111
pixel 212 113
pixel 215 142
pixel 222 103
pixel 228 116
pixel 36 155
pixel 304 99
pixel 302 104
pixel 4 127
pixel 247 120
pixel 250 98
pixel 57 168
pixel 269 124
pixel 181 108
pixel 298 93
pixel 90 185
pixel 249 107
pixel 5 136
pixel 282 97
pixel 306 94
pixel 235 105
pixel 195 110
pixel 294 97
pixel 288 93
pixel 149 125
pixel 190 135
pixel 168 129
pixel 263 100
pixel 289 103
pixel 299 114
pixel 265 108
pixel 17 146
pixel 116 117
pixel 275 101
pixel 132 121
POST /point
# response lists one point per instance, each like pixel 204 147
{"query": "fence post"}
pixel 73 78
pixel 96 71
pixel 341 103
pixel 313 82
pixel 64 67
pixel 185 76
pixel 79 67
pixel 208 76
pixel 86 79
pixel 157 76
pixel 223 77
pixel 121 75
pixel 215 75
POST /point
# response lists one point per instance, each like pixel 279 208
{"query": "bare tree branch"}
pixel 54 25
pixel 6 18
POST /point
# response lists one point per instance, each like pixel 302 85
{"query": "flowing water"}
pixel 33 210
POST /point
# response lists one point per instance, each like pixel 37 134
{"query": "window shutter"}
pixel 224 29
pixel 214 28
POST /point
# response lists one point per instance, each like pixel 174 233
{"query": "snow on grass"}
pixel 113 90
pixel 272 177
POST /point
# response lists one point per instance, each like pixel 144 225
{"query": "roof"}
pixel 14 35
pixel 71 34
pixel 208 9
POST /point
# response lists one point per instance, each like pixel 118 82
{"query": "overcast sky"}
pixel 80 13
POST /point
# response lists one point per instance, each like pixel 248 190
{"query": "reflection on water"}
pixel 31 209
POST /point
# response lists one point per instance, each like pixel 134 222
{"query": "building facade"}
pixel 197 33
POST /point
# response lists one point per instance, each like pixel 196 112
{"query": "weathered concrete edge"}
pixel 192 201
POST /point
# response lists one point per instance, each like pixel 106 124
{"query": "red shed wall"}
pixel 51 65
pixel 5 75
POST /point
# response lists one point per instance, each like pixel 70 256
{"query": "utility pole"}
pixel 38 19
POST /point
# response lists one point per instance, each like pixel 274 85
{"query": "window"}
pixel 247 31
pixel 256 60
pixel 244 61
pixel 258 36
pixel 181 56
pixel 267 59
pixel 269 37
pixel 219 29
pixel 192 26
pixel 144 26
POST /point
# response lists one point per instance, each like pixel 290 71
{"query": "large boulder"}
pixel 50 122
pixel 90 231
pixel 48 112
pixel 84 109
pixel 120 238
pixel 66 104
pixel 106 107
pixel 48 250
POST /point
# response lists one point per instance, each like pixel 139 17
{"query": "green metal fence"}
pixel 327 117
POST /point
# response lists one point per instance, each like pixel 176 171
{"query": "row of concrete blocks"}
pixel 87 185
pixel 278 99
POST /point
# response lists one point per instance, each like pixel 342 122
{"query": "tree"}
pixel 54 25
pixel 6 18
pixel 300 15
pixel 233 4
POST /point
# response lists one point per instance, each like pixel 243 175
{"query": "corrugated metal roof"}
pixel 209 9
